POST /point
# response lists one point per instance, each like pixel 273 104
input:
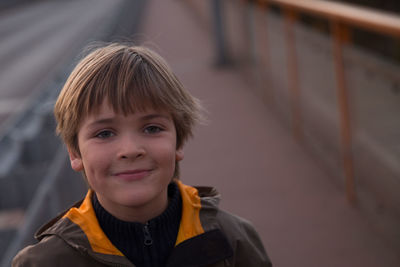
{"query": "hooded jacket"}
pixel 207 236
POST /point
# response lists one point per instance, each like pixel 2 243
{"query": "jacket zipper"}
pixel 147 237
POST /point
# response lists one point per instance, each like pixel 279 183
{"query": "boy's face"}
pixel 128 160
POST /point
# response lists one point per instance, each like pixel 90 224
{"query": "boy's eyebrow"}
pixel 142 118
pixel 100 121
pixel 155 116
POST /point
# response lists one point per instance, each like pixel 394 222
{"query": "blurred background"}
pixel 303 101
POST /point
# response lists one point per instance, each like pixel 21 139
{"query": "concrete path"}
pixel 262 174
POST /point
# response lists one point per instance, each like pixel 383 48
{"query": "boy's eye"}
pixel 152 129
pixel 104 134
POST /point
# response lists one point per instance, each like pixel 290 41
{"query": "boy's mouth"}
pixel 131 175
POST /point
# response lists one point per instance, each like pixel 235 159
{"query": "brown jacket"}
pixel 207 236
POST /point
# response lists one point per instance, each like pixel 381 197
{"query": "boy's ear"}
pixel 75 159
pixel 179 154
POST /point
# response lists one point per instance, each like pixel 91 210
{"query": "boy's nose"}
pixel 131 149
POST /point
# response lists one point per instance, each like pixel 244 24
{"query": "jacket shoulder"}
pixel 244 239
pixel 51 251
pixel 240 234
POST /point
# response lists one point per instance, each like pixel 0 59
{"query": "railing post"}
pixel 262 28
pixel 293 73
pixel 262 48
pixel 251 30
pixel 341 36
pixel 222 54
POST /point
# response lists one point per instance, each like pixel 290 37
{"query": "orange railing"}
pixel 342 18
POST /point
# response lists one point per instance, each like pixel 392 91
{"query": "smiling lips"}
pixel 133 175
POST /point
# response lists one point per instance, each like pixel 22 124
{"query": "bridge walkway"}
pixel 303 217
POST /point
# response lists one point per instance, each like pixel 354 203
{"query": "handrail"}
pixel 366 18
pixel 342 17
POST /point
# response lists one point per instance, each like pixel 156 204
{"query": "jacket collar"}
pixel 190 225
pixel 199 238
pixel 200 242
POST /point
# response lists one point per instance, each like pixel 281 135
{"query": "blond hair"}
pixel 131 78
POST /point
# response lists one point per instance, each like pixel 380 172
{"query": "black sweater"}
pixel 147 244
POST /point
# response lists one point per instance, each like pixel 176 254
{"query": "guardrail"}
pixel 35 175
pixel 342 18
pixel 4 4
pixel 339 98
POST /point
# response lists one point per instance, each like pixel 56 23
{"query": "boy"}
pixel 124 118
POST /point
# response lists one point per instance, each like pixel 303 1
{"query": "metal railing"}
pixel 35 173
pixel 342 19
